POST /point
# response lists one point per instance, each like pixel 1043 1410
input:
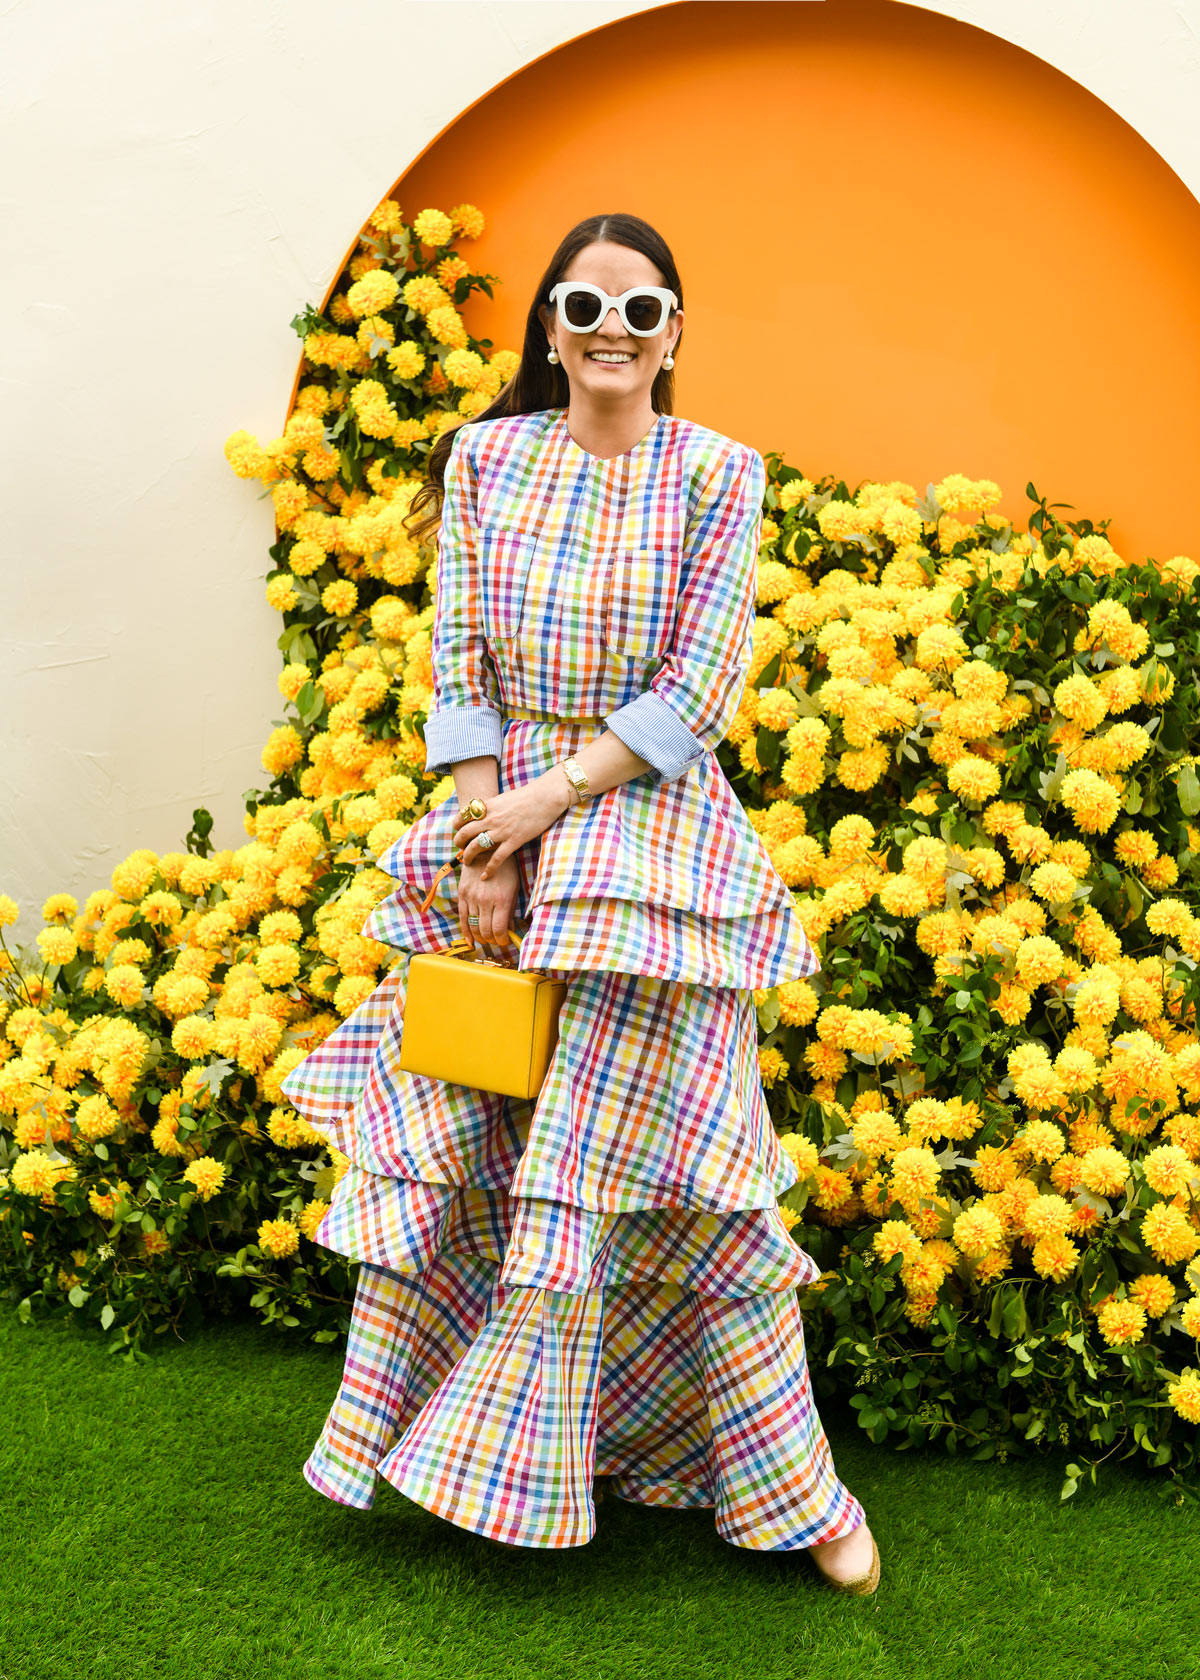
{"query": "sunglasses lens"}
pixel 581 309
pixel 645 312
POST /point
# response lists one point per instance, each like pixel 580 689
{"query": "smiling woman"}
pixel 596 1280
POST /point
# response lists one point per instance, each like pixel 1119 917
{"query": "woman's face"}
pixel 615 268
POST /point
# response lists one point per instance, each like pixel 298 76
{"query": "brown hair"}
pixel 537 383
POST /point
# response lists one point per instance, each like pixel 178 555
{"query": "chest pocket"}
pixel 505 561
pixel 642 586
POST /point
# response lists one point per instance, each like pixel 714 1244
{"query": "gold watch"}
pixel 577 777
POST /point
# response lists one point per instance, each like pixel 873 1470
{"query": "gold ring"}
pixel 475 809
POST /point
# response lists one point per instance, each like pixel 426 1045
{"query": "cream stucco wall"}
pixel 182 180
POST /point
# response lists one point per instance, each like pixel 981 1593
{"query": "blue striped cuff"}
pixel 651 729
pixel 455 732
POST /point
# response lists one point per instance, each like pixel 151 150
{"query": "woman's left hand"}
pixel 513 817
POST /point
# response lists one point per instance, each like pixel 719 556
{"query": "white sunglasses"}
pixel 582 306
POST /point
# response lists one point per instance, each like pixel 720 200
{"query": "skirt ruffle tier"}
pixel 669 881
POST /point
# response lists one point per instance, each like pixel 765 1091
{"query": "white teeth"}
pixel 602 356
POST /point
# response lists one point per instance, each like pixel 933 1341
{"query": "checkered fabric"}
pixel 496 1407
pixel 622 592
pixel 653 1098
pixel 404 1226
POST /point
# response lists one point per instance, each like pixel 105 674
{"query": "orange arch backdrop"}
pixel 908 248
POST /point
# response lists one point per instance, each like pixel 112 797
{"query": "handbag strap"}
pixel 427 901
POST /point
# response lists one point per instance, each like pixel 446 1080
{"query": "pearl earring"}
pixel 668 360
pixel 552 354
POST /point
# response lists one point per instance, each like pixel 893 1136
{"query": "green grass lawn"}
pixel 155 1522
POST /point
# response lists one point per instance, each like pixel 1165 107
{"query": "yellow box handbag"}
pixel 471 1020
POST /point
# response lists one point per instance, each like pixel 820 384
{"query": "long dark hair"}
pixel 537 383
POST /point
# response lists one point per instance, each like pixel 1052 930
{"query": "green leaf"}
pixel 1189 791
pixel 107 1315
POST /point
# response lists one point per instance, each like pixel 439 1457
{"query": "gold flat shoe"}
pixel 859 1585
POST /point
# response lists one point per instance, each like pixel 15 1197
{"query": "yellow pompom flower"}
pixel 311 1216
pixel 798 1003
pixel 1103 1170
pixel 1170 918
pixel 9 911
pixel 1126 744
pixel 374 293
pixel 1033 1077
pixel 973 778
pixel 1168 1169
pixel 1054 1256
pixel 124 984
pixel 925 860
pixel 279 1238
pixel 1053 882
pixel 877 1135
pixel 445 326
pixel 277 964
pixel 1121 689
pixel 1039 958
pixel 1098 997
pixel 1121 1322
pixel 1029 843
pixel 407 362
pixel 57 945
pixel 433 227
pixel 1189 1317
pixel 939 648
pixel 280 594
pixel 287 1129
pixel 1184 1395
pixel 339 598
pixel 1074 856
pixel 35 1174
pixel 1091 800
pixel 1167 1234
pixel 162 909
pixel 802 1152
pixel 468 219
pixel 772 1066
pixel 1135 848
pixel 207 1175
pixel 1154 1293
pixel 977 1232
pixel 1042 1140
pixel 914 1174
pixel 1078 699
pixel 96 1118
pixel 352 991
pixel 1047 1216
pixel 894 1237
pixel 1076 1069
pixel 284 750
pixel 60 907
pixel 927 1119
pixel 1109 623
pixel 134 876
pixel 1161 874
pixel 192 1037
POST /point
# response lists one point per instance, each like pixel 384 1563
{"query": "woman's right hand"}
pixel 492 900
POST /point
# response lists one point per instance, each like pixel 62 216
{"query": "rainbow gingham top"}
pixel 596 593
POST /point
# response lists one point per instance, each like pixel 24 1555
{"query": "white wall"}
pixel 181 179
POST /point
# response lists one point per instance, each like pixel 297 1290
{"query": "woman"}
pixel 598 1281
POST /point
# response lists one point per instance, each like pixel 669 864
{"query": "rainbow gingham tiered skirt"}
pixel 595 1283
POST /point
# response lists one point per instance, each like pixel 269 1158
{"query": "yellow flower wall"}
pixel 965 746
